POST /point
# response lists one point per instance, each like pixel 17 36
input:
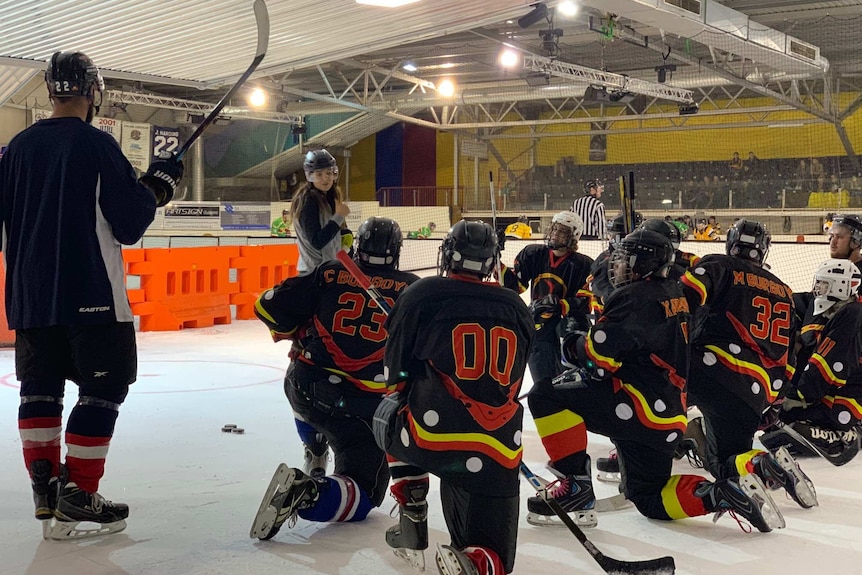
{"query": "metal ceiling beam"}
pixel 619 82
pixel 120 97
pixel 112 74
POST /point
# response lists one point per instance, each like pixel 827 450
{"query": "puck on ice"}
pixel 237 430
pixel 228 427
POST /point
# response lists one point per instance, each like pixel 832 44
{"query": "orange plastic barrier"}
pixel 258 268
pixel 7 336
pixel 184 287
pixel 133 255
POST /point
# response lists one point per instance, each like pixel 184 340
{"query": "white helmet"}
pixel 575 225
pixel 835 281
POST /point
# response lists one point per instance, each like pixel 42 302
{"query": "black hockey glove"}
pixel 575 378
pixel 569 348
pixel 162 177
pixel 545 308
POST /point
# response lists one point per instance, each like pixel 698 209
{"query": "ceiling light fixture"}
pixel 409 66
pixel 446 88
pixel 509 58
pixel 386 3
pixel 568 8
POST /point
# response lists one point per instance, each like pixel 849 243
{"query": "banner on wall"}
pixel 192 216
pixel 165 140
pixel 135 144
pixel 110 125
pixel 245 216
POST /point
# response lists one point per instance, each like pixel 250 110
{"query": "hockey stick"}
pixel 660 566
pixel 494 224
pixel 261 16
pixel 836 461
pixel 363 281
pixel 630 195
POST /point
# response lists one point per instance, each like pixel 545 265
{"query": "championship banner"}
pixel 109 125
pixel 165 140
pixel 135 144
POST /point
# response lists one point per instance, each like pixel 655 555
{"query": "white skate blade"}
pixel 586 518
pixel 451 563
pixel 266 514
pixel 414 557
pixel 616 502
pixel 752 485
pixel 804 487
pixel 609 476
pixel 54 530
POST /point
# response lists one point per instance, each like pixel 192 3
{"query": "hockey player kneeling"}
pixel 457 351
pixel 823 406
pixel 626 383
pixel 335 380
pixel 741 357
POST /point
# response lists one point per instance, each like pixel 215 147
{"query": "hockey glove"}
pixel 545 308
pixel 575 378
pixel 569 348
pixel 162 177
pixel 501 240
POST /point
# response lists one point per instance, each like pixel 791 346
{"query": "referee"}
pixel 592 210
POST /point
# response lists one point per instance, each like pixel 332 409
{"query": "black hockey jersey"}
pixel 742 318
pixel 639 345
pixel 600 284
pixel 538 269
pixel 335 325
pixel 833 373
pixel 460 348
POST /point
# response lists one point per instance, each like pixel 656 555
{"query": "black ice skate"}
pixel 289 491
pixel 409 538
pixel 781 470
pixel 575 495
pixel 450 561
pixel 45 489
pixel 608 468
pixel 316 457
pixel 76 506
pixel 746 497
pixel 693 443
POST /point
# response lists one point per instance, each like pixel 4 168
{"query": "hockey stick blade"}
pixel 812 446
pixel 261 16
pixel 660 566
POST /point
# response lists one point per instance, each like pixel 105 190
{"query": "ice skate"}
pixel 316 458
pixel 575 495
pixel 45 489
pixel 409 538
pixel 76 506
pixel 781 470
pixel 693 443
pixel 450 561
pixel 289 491
pixel 608 468
pixel 746 497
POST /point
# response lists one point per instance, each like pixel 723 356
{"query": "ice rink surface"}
pixel 193 489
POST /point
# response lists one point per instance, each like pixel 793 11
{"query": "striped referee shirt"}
pixel 592 211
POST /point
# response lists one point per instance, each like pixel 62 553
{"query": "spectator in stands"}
pixel 802 177
pixel 704 232
pixel 712 221
pixel 591 210
pixel 818 175
pixel 735 166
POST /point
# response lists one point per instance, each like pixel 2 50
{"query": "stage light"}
pixel 688 109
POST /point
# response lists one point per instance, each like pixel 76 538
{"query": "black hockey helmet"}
pixel 318 160
pixel 665 228
pixel 378 242
pixel 853 223
pixel 590 184
pixel 523 219
pixel 641 254
pixel 469 247
pixel 72 74
pixel 617 227
pixel 748 239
